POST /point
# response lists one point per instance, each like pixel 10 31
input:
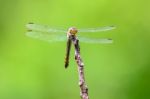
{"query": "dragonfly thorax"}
pixel 72 31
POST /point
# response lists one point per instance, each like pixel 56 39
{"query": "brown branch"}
pixel 82 84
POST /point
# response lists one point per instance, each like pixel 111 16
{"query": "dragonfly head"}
pixel 72 31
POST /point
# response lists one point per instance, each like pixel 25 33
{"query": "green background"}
pixel 34 69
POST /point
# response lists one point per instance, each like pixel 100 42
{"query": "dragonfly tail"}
pixel 66 64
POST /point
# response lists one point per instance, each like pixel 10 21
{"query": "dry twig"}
pixel 82 84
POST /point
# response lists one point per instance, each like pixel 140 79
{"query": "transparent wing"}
pixel 94 40
pixel 99 29
pixel 45 36
pixel 44 28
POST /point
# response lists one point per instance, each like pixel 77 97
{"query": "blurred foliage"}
pixel 33 69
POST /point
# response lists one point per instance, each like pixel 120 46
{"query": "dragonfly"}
pixel 50 34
